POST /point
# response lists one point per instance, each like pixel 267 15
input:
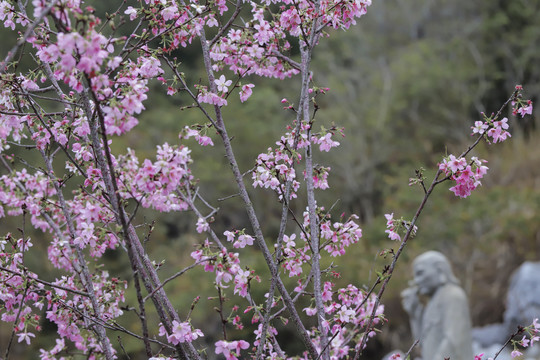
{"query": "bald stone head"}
pixel 431 271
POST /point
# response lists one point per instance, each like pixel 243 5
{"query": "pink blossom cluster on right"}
pixel 466 175
pixel 497 129
pixel 531 336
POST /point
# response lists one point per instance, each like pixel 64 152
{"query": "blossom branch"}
pixel 388 271
pixel 249 207
pixel 29 32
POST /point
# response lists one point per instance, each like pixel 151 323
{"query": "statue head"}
pixel 431 271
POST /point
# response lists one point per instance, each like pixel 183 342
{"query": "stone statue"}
pixel 438 310
pixel 522 307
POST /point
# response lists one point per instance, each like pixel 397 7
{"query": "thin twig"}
pixel 228 24
pixel 46 283
pixel 411 349
pixel 518 331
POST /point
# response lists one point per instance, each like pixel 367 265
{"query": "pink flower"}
pixel 202 225
pixel 241 282
pixel 524 110
pixel 223 277
pixel 235 35
pixel 498 132
pixel 345 314
pixel 230 235
pixel 310 311
pixel 243 240
pixel 223 84
pixel 326 143
pixel 150 67
pixel 212 21
pixel 181 333
pixel 204 140
pixel 170 13
pixel 246 92
pixel 392 234
pixel 327 291
pixel 455 164
pixel 231 349
pixel 263 33
pixel 132 12
pixel 198 8
pixel 87 64
pixel 389 219
pixel 25 336
pixel 516 353
pixel 479 127
pixel 114 62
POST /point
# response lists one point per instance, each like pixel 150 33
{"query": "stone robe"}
pixel 445 325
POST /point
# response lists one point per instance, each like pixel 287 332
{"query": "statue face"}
pixel 427 277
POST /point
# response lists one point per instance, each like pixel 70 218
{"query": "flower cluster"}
pixel 202 139
pixel 395 226
pixel 11 126
pixel 226 266
pixel 155 184
pixel 19 293
pixel 231 349
pixel 467 175
pixel 532 335
pixel 521 106
pixel 525 110
pixel 63 309
pixel 335 238
pixel 338 236
pixel 294 256
pixel 242 241
pixel 181 332
pixel 24 297
pixel 73 53
pixel 254 49
pixel 273 170
pixel 494 129
pixel 276 167
pixel 352 307
pixel 391 227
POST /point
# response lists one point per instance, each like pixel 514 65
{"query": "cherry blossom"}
pixel 231 349
pixel 181 332
pixel 246 92
pixel 526 110
pixel 467 176
pixel 223 84
pixel 391 229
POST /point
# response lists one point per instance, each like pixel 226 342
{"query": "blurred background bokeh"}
pixel 406 83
